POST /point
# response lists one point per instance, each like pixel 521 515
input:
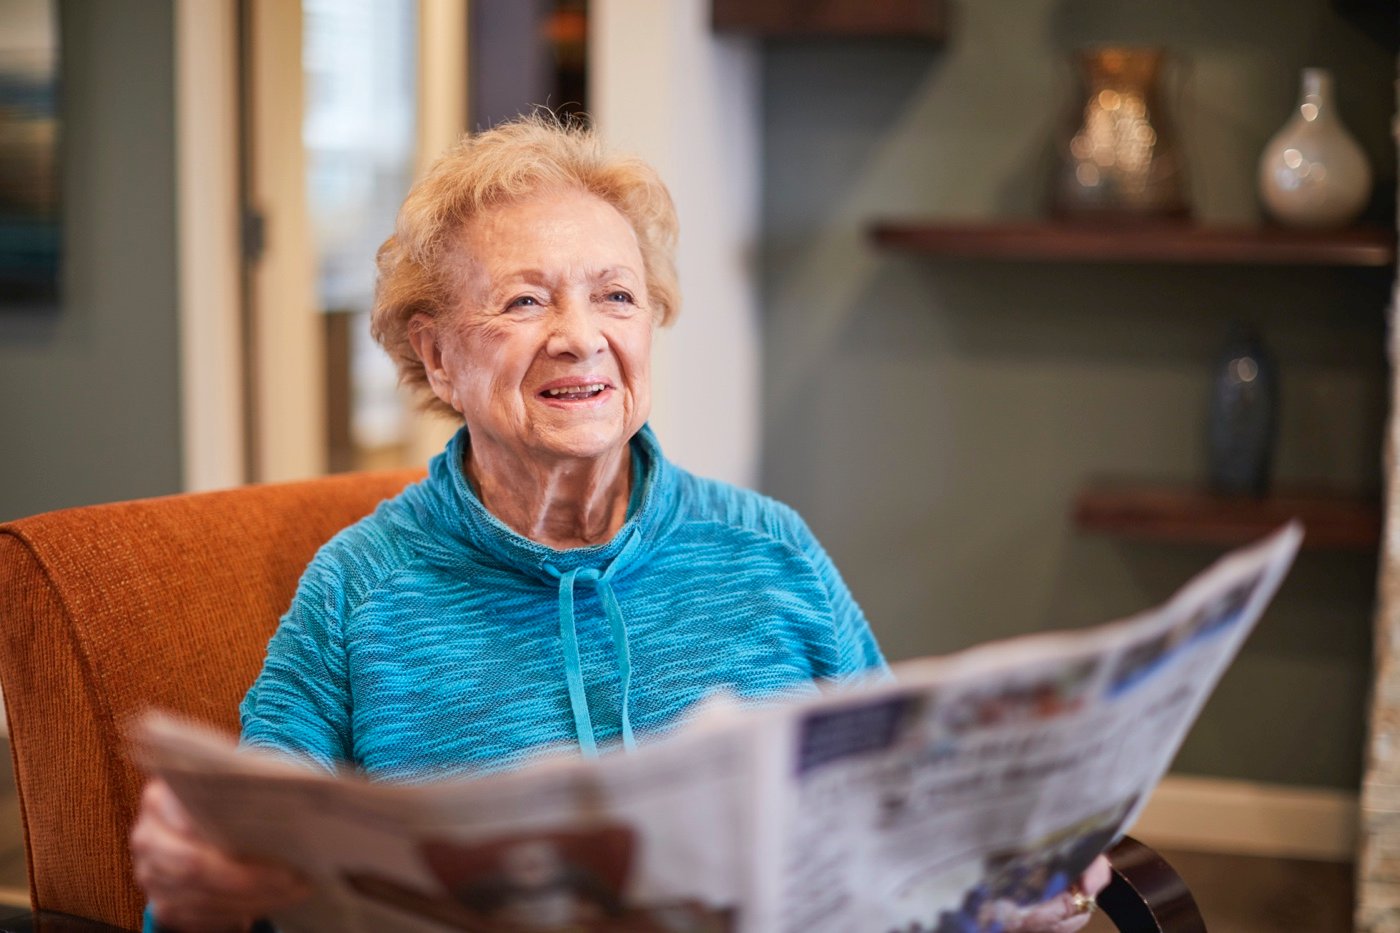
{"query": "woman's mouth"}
pixel 575 393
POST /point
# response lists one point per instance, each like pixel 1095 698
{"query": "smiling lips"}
pixel 579 392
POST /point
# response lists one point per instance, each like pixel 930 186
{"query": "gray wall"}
pixel 90 390
pixel 933 419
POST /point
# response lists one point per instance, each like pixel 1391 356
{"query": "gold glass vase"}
pixel 1118 156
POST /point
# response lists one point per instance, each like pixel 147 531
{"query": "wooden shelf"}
pixel 926 20
pixel 1160 242
pixel 1182 514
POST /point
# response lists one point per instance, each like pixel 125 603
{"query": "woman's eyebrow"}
pixel 515 278
pixel 616 272
pixel 527 274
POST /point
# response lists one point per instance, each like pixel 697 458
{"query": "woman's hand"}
pixel 194 886
pixel 1067 912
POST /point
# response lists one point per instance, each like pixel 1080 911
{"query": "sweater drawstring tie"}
pixel 568 634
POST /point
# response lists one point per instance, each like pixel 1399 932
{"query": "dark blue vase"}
pixel 1243 415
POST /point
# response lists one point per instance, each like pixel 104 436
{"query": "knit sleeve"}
pixel 300 703
pixel 858 653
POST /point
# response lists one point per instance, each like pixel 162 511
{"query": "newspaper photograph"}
pixel 963 790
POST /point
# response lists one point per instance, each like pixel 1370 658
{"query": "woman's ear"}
pixel 422 335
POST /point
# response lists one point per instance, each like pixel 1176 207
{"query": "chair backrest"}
pixel 108 610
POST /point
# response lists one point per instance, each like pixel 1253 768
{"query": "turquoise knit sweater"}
pixel 430 640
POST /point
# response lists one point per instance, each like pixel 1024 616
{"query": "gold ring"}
pixel 1082 903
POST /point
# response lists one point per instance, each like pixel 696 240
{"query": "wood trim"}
pixel 288 397
pixel 1188 514
pixel 1378 858
pixel 882 19
pixel 1248 818
pixel 1143 242
pixel 442 78
pixel 209 261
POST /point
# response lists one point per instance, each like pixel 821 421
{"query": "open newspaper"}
pixel 969 785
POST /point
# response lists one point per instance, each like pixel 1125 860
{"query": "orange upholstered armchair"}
pixel 110 609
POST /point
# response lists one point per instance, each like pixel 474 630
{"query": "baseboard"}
pixel 1247 818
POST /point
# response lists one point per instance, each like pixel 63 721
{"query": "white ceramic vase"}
pixel 1313 173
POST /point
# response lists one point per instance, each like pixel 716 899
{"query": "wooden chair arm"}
pixel 1146 894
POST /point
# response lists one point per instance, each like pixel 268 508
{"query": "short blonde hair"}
pixel 417 269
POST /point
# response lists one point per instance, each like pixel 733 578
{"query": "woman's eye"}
pixel 524 301
pixel 619 297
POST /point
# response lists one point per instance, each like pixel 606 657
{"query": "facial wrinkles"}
pixel 573 339
pixel 476 382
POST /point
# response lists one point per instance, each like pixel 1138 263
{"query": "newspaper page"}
pixel 946 800
pixel 655 842
pixel 986 782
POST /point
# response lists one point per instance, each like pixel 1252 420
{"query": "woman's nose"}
pixel 575 330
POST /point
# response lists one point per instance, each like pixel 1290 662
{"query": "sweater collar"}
pixel 453 513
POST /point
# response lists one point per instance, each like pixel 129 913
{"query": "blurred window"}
pixel 360 133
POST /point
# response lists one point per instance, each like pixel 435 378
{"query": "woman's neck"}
pixel 561 504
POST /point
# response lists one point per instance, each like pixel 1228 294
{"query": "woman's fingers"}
pixel 1096 876
pixel 193 886
pixel 1067 912
pixel 160 802
pixel 1060 914
pixel 191 883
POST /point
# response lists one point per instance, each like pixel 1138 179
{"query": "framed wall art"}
pixel 30 212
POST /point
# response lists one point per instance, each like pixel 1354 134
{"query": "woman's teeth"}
pixel 575 392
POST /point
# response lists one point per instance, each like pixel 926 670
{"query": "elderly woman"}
pixel 555 580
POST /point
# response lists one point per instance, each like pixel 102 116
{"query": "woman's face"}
pixel 547 355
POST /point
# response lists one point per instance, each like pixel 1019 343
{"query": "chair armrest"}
pixel 1146 895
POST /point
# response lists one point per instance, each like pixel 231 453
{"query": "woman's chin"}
pixel 582 442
